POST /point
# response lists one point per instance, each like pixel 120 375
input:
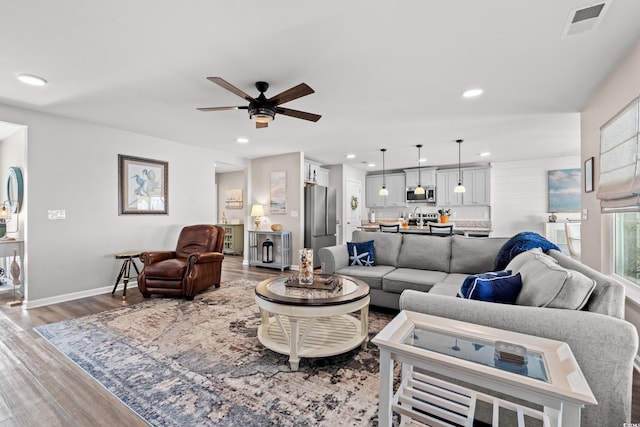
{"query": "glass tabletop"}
pixel 499 355
pixel 280 287
pixel 326 290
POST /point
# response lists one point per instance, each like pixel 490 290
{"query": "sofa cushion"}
pixel 501 287
pixel 385 245
pixel 425 252
pixel 361 253
pixel 471 255
pixel 409 278
pixel 547 284
pixel 371 275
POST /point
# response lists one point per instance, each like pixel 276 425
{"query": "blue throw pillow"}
pixel 361 253
pixel 501 286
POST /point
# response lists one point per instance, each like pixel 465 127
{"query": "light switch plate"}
pixel 57 214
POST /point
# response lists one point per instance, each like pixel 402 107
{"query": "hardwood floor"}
pixel 40 386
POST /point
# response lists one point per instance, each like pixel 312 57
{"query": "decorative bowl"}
pixel 276 227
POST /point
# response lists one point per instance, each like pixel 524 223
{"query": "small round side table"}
pixel 125 270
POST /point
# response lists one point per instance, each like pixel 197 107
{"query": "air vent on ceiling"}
pixel 585 19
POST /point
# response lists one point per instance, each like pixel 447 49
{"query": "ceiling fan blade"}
pixel 290 94
pixel 221 108
pixel 231 88
pixel 298 114
pixel 261 125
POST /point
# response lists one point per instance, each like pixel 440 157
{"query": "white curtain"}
pixel 619 186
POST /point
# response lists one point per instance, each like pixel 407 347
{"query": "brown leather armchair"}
pixel 195 265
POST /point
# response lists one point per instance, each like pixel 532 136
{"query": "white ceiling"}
pixel 386 73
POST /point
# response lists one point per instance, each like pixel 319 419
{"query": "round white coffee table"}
pixel 301 321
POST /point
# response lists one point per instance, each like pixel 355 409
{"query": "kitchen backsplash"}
pixel 470 213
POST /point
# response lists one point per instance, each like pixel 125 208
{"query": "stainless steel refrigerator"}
pixel 319 219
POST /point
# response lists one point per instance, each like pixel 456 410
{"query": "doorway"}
pixel 352 203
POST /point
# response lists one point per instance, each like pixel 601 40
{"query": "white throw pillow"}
pixel 547 284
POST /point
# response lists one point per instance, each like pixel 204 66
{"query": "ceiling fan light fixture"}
pixel 383 191
pixel 261 115
pixel 419 189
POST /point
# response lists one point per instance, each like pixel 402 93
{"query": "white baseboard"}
pixel 76 295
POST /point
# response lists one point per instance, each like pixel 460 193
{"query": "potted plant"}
pixel 444 215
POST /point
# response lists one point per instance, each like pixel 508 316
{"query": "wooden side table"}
pixel 125 270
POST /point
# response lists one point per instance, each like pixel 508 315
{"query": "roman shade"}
pixel 619 186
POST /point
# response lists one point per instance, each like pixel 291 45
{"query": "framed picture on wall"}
pixel 564 190
pixel 588 175
pixel 278 203
pixel 233 198
pixel 142 186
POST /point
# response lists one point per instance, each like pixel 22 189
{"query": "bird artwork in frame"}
pixel 142 185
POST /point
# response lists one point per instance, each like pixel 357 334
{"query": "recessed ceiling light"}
pixel 422 160
pixel 350 156
pixel 485 154
pixel 472 93
pixel 242 140
pixel 32 80
pixel 372 165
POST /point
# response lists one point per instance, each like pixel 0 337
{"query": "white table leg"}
pixel 364 326
pixel 386 389
pixel 570 415
pixel 294 359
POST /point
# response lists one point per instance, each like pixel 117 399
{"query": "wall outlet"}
pixel 57 214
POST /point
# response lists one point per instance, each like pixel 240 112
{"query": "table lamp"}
pixel 257 211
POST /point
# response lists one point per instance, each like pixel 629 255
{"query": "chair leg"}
pixel 217 285
pixel 146 294
pixel 189 297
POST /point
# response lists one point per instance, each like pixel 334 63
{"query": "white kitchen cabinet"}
pixel 397 190
pixel 477 183
pixel 446 181
pixel 395 184
pixel 373 183
pixel 427 177
pixel 313 173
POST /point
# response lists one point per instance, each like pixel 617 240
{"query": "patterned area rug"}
pixel 187 363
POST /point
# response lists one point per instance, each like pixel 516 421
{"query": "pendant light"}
pixel 419 189
pixel 459 188
pixel 383 191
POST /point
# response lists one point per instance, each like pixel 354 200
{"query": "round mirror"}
pixel 15 189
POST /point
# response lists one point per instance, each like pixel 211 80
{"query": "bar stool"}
pixel 125 270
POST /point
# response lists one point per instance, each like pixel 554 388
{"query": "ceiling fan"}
pixel 263 110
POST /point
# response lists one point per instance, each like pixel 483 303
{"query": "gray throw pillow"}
pixel 547 284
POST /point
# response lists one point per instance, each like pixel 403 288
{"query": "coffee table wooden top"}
pixel 274 290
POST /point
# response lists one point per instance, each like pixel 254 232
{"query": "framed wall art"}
pixel 233 198
pixel 588 175
pixel 278 203
pixel 142 185
pixel 565 186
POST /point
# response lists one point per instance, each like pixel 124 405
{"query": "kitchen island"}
pixel 462 228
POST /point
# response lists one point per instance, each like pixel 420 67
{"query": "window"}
pixel 627 246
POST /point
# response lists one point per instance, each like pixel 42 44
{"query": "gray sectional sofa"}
pixel 423 274
pixel 413 261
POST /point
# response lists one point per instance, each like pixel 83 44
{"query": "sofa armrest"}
pixel 604 347
pixel 333 258
pixel 153 257
pixel 205 257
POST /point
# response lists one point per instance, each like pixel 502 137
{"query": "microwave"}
pixel 429 195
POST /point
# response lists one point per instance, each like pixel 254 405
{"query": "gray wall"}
pixel 73 165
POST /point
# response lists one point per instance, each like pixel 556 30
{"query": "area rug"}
pixel 188 363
